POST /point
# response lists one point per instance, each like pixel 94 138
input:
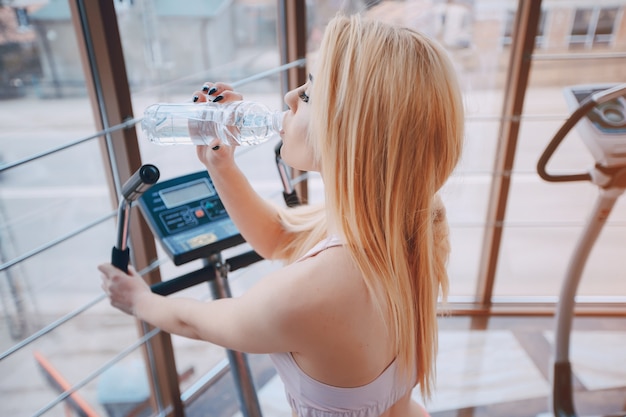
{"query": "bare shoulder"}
pixel 331 303
pixel 329 280
pixel 314 299
pixel 331 269
pixel 340 334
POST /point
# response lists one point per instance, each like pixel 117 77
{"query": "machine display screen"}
pixel 177 196
pixel 186 214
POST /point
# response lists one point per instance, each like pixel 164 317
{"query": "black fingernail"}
pixel 218 98
pixel 216 147
pixel 205 88
pixel 195 98
pixel 212 91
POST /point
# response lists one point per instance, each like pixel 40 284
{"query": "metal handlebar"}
pixel 132 189
pixel 583 109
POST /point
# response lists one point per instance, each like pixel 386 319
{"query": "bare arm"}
pixel 267 318
pixel 256 219
pixel 319 309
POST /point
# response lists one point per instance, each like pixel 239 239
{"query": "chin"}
pixel 300 161
pixel 295 163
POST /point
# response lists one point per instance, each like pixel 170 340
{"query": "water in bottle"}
pixel 235 123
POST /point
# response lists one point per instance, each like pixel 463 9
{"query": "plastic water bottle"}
pixel 234 123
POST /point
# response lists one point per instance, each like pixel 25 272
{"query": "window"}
pixel 22 19
pixel 593 26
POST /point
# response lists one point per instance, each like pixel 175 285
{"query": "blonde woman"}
pixel 350 321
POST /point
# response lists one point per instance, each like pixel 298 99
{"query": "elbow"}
pixel 184 329
pixel 273 247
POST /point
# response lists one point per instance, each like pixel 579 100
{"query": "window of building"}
pixel 593 26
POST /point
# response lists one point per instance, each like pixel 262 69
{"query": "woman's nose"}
pixel 289 99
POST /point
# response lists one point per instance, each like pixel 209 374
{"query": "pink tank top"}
pixel 311 398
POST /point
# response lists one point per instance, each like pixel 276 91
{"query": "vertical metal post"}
pixel 97 33
pixel 239 365
pixel 524 32
pixel 562 400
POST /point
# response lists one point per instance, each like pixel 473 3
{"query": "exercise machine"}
pixel 187 216
pixel 601 111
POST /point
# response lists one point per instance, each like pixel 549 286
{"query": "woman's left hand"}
pixel 123 289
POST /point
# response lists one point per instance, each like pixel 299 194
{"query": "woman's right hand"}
pixel 256 219
pixel 216 154
pixel 123 289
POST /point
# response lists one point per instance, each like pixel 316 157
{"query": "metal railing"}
pixel 206 381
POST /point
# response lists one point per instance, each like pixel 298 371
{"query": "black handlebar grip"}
pixel 291 199
pixel 120 259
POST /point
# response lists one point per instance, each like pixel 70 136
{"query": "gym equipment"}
pixel 602 108
pixel 139 182
pixel 187 216
pixel 190 221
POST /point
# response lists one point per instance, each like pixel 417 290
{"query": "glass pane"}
pixel 82 356
pixel 171 50
pixel 605 26
pixel 545 220
pixel 472 36
pixel 606 21
pixel 534 261
pixel 582 20
pixel 195 43
pixel 62 198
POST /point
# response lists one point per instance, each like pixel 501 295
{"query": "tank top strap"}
pixel 329 242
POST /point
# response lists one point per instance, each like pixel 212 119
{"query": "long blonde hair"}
pixel 387 129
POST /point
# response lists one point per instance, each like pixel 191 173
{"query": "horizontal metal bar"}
pixel 125 125
pixel 207 74
pixel 579 299
pixel 526 117
pixel 523 225
pixel 54 242
pixel 153 265
pixel 50 327
pixel 205 382
pixel 539 299
pixel 243 260
pixel 67 317
pixel 297 63
pixel 183 282
pixel 127 351
pixel 131 122
pixel 573 57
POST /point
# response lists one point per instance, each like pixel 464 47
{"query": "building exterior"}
pixel 165 40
